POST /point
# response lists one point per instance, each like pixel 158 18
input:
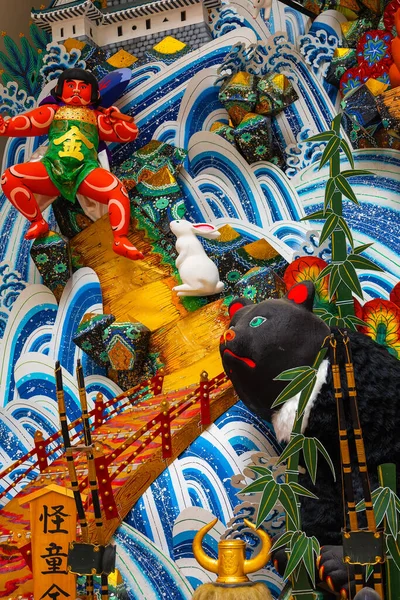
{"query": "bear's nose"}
pixel 227 336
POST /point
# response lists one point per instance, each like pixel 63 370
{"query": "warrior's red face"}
pixel 76 92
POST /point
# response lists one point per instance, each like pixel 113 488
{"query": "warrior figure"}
pixel 70 164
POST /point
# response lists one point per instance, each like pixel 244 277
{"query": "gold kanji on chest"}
pixel 72 142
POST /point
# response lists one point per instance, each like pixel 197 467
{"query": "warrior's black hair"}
pixel 82 75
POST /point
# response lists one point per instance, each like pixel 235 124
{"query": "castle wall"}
pixel 192 35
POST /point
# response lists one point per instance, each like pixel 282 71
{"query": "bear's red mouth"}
pixel 247 361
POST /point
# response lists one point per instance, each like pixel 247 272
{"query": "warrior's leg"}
pixel 19 183
pixel 102 186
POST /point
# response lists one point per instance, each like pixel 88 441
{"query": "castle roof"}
pixel 60 10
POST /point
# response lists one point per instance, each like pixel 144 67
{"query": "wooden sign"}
pixel 53 527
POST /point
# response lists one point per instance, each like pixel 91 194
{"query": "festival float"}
pixel 200 301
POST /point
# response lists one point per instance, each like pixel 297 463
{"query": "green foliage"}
pixel 303 549
pixel 22 63
pixel 343 278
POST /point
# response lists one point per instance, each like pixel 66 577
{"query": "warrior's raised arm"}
pixel 29 124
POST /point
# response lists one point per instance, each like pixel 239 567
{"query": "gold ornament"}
pixel 232 566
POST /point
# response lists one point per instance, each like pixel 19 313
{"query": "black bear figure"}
pixel 267 338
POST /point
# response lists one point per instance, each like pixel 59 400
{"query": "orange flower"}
pixel 308 268
pixel 395 294
pixel 383 324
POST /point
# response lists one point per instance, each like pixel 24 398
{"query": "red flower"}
pixel 382 319
pixel 308 268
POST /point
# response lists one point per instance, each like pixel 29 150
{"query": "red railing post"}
pixel 104 483
pixel 98 408
pixel 166 442
pixel 205 399
pixel 157 382
pixel 40 450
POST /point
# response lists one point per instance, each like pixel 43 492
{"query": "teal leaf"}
pixel 343 186
pixel 346 229
pixel 346 149
pixel 257 486
pixel 381 504
pixel 349 276
pixel 289 503
pixel 298 551
pixel 295 387
pixel 321 137
pixel 290 374
pixel 326 456
pixel 268 501
pixel 295 445
pixel 328 227
pixel 360 249
pixel 299 490
pixel 330 149
pixel 360 262
pixel 310 455
pixel 284 540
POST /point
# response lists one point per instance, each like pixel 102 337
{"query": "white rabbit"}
pixel 258 5
pixel 199 274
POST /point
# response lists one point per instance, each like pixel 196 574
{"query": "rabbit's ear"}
pixel 206 230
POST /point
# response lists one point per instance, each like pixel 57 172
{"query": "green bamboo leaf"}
pixel 301 491
pixel 360 249
pixel 326 456
pixel 290 374
pixel 268 501
pixel 326 271
pixel 315 216
pixel 391 516
pixel 295 387
pixel 321 137
pixel 360 262
pixel 346 149
pixel 326 318
pixel 393 550
pixel 343 186
pixel 336 322
pixel 295 445
pixel 289 503
pixel 369 569
pixel 257 486
pixel 330 190
pixel 355 320
pixel 295 537
pixel 261 470
pixel 347 323
pixel 330 149
pixel 346 229
pixel 296 555
pixel 349 276
pixel 334 281
pixel 398 503
pixel 336 121
pixel 284 540
pixel 316 546
pixel 381 504
pixel 304 397
pixel 328 227
pixel 356 172
pixel 309 560
pixel 310 457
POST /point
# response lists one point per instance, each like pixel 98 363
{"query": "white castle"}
pixel 116 24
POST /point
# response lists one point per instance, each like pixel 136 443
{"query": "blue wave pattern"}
pixel 195 487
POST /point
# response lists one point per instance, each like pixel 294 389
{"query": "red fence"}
pixel 160 424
